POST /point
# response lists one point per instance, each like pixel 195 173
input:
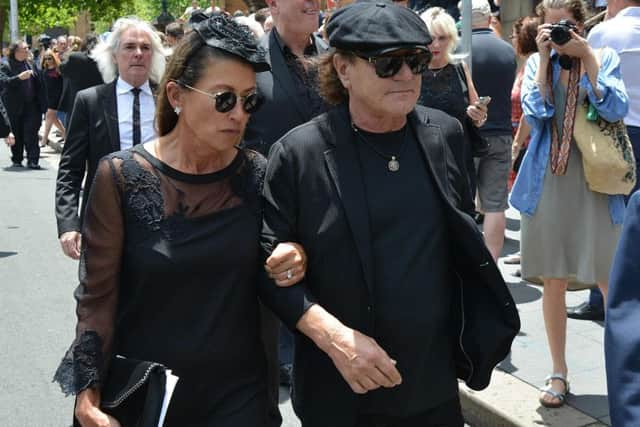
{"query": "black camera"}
pixel 560 32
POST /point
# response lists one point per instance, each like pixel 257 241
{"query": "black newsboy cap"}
pixel 376 27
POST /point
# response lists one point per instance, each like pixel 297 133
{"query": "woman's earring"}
pixel 177 110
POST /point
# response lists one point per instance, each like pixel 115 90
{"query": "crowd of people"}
pixel 294 197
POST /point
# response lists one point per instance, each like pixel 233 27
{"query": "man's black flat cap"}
pixel 375 28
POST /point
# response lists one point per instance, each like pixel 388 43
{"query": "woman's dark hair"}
pixel 526 29
pixel 187 64
pixel 575 7
pixel 329 85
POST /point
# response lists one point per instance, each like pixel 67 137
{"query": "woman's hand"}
pixel 577 47
pixel 478 113
pixel 543 41
pixel 88 410
pixel 287 264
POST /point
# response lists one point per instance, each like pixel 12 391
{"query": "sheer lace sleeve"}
pixel 84 364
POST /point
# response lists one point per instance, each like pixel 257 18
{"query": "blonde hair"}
pixel 439 21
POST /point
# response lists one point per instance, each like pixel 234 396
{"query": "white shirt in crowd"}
pixel 125 113
pixel 622 34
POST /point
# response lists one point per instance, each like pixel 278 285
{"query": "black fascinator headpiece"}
pixel 222 32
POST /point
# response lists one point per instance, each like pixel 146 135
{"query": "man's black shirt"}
pixel 412 294
pixel 306 80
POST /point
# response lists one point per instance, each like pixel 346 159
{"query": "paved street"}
pixel 37 314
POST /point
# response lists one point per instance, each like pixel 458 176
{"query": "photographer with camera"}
pixel 555 246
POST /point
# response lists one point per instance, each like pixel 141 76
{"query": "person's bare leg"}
pixel 493 229
pixel 57 123
pixel 48 121
pixel 554 309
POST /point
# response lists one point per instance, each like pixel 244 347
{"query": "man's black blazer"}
pixel 11 88
pixel 93 133
pixel 79 72
pixel 281 110
pixel 314 195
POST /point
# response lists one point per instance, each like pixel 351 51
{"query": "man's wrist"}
pixel 320 326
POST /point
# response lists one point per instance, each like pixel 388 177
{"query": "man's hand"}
pixel 25 74
pixel 10 140
pixel 70 242
pixel 363 364
pixel 88 411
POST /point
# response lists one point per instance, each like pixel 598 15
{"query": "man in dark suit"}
pixel 401 295
pixel 79 72
pixel 289 90
pixel 24 98
pixel 290 98
pixel 107 118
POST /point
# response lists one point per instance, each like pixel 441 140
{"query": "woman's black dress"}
pixel 442 89
pixel 168 274
pixel 53 85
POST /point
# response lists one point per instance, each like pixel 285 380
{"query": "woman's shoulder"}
pixel 256 166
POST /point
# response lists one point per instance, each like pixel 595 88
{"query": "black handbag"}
pixel 133 392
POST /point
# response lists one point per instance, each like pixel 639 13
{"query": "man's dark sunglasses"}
pixel 388 65
pixel 225 101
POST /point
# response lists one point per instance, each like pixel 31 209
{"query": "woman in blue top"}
pixel 569 233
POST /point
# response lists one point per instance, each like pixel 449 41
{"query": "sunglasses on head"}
pixel 388 65
pixel 225 101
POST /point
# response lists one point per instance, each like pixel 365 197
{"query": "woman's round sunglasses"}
pixel 388 65
pixel 225 101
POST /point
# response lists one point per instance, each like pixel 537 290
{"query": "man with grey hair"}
pixel 108 118
pixel 494 70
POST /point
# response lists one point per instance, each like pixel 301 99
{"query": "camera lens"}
pixel 560 34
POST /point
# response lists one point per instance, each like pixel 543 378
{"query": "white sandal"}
pixel 561 396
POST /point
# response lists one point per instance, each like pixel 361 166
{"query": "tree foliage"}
pixel 35 16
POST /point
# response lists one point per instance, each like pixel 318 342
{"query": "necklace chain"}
pixel 436 71
pixel 393 161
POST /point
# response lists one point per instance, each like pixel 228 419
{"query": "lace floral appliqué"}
pixel 82 364
pixel 143 194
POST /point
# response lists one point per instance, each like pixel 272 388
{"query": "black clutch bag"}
pixel 133 392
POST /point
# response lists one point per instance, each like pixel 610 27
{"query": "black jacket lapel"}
pixel 432 143
pixel 344 168
pixel 108 99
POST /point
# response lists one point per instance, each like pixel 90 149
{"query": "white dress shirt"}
pixel 622 34
pixel 125 113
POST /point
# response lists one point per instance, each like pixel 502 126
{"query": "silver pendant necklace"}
pixel 393 164
pixel 436 71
